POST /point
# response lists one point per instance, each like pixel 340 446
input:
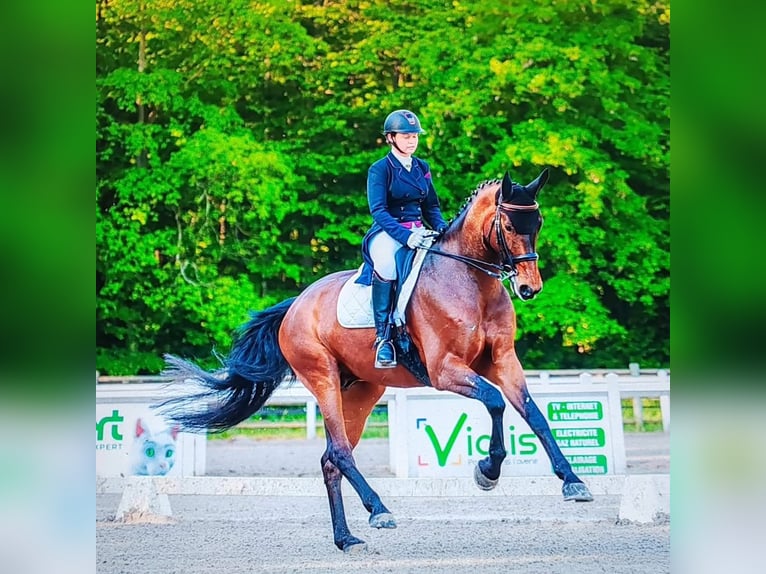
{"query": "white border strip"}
pixel 386 487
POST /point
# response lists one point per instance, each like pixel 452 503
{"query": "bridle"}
pixel 507 269
pixel 509 260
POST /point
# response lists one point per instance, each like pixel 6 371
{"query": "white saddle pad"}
pixel 355 300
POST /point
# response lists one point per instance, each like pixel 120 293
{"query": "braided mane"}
pixel 469 199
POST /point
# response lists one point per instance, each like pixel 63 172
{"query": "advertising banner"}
pixel 132 441
pixel 447 435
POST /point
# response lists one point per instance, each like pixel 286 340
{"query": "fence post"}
pixel 638 402
pixel 392 411
pixel 586 378
pixel 618 433
pixel 638 412
pixel 398 451
pixel 664 403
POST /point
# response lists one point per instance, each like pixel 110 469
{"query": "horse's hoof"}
pixel 482 481
pixel 354 546
pixel 576 491
pixel 383 520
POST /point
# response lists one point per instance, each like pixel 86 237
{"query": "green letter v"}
pixel 442 455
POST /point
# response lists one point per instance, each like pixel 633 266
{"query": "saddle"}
pixel 355 300
pixel 354 309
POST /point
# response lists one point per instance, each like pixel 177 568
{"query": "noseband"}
pixel 507 269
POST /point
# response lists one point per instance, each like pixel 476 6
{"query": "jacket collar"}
pixel 415 177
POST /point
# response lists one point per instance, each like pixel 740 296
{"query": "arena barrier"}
pixel 643 498
pixel 443 416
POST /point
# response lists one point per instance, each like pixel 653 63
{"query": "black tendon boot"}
pixel 382 296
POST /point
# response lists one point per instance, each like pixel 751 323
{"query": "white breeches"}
pixel 383 247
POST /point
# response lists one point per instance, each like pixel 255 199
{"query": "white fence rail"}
pixel 636 384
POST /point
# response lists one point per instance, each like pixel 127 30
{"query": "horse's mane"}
pixel 468 200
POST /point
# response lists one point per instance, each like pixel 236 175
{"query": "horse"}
pixel 460 318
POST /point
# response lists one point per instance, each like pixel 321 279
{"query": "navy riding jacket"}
pixel 396 196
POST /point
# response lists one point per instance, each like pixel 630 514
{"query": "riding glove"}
pixel 419 237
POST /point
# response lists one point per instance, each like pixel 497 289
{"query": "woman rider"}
pixel 401 197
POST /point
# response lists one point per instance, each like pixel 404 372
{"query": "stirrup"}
pixel 389 364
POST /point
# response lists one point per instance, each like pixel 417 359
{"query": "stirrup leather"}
pixel 380 343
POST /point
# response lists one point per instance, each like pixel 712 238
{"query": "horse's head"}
pixel 496 232
pixel 516 223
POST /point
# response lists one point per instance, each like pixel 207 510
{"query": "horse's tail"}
pixel 252 371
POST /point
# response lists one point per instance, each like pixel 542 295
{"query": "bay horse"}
pixel 460 318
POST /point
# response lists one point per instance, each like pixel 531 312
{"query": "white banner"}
pixel 132 440
pixel 446 435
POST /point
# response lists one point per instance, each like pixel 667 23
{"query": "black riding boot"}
pixel 382 298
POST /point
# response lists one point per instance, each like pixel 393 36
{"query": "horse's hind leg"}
pixel 342 536
pixel 319 373
pixel 358 402
pixel 344 424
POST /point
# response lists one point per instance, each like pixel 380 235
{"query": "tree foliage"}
pixel 233 141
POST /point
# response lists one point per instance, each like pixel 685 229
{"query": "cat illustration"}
pixel 154 448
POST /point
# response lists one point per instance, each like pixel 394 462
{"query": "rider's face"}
pixel 407 143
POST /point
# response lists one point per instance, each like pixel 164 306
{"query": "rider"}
pixel 401 197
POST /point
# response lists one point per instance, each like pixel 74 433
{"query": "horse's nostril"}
pixel 526 292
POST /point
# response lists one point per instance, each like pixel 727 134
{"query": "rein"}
pixel 507 269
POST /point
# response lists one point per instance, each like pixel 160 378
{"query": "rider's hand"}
pixel 419 237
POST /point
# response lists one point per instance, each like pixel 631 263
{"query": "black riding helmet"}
pixel 402 122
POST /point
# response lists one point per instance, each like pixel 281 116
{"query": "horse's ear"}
pixel 539 182
pixel 507 187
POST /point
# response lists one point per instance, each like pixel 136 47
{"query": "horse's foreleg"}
pixel 469 384
pixel 573 488
pixel 487 471
pixel 513 384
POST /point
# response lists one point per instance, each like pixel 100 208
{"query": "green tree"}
pixel 233 141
